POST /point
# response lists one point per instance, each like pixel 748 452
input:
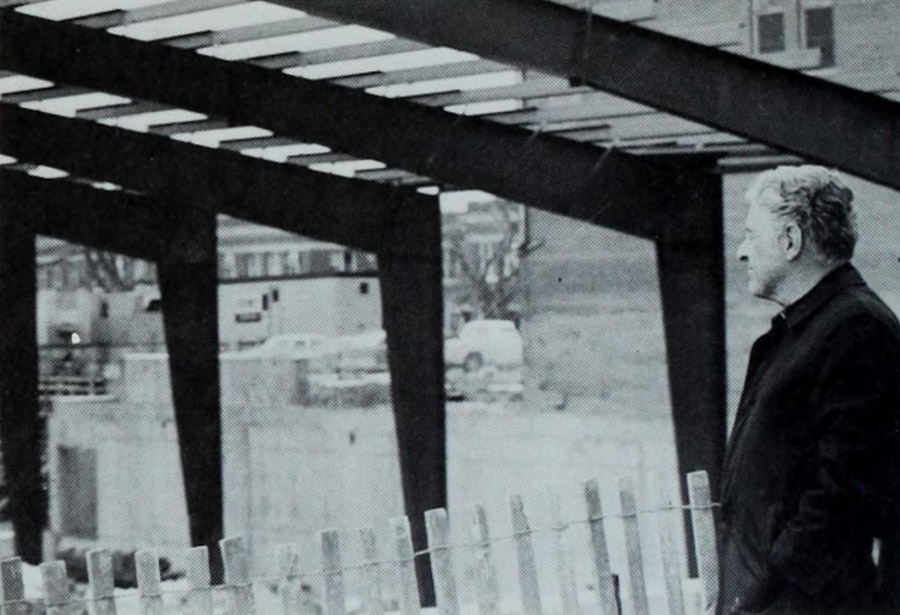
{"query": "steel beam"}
pixel 109 220
pixel 336 209
pixel 121 110
pixel 270 29
pixel 21 427
pixel 692 279
pixel 412 307
pixel 606 187
pixel 175 8
pixel 369 79
pixel 856 131
pixel 41 94
pixel 188 284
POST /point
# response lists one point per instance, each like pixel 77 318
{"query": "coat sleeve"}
pixel 855 420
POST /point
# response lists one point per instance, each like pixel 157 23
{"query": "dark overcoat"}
pixel 810 513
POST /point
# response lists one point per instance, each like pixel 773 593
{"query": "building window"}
pixel 267 264
pixel 66 277
pixel 363 288
pixel 79 274
pixel 770 32
pixel 336 261
pixel 222 266
pixel 152 276
pixel 146 272
pixel 320 261
pixel 369 262
pixel 242 265
pixel 287 267
pixel 818 27
pixel 128 270
pixel 304 262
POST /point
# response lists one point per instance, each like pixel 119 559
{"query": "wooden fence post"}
pixel 639 602
pixel 335 601
pixel 56 587
pixel 371 572
pixel 198 579
pixel 291 583
pixel 528 579
pixel 100 578
pixel 7 544
pixel 565 563
pixel 669 516
pixel 406 569
pixel 606 588
pixel 13 587
pixel 704 536
pixel 146 564
pixel 236 560
pixel 437 527
pixel 485 573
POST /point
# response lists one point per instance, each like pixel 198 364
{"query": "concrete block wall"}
pixel 291 471
pixel 140 493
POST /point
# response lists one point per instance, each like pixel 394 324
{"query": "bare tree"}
pixel 494 281
pixel 102 270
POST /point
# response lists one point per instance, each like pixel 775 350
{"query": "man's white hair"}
pixel 816 199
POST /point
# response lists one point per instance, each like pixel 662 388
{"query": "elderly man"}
pixel 810 518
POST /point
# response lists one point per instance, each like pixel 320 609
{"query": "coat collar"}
pixel 836 280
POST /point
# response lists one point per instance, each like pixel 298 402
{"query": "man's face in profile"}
pixel 763 249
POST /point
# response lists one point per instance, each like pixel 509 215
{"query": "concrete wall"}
pixel 140 497
pixel 291 471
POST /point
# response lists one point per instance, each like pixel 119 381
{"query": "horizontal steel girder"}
pixel 856 131
pixel 326 207
pixel 606 187
pixel 109 220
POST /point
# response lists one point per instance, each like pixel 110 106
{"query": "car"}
pixel 485 359
pixel 364 352
pixel 288 346
pixel 488 342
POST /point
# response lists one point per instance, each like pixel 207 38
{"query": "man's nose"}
pixel 742 252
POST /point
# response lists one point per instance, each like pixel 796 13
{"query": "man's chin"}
pixel 756 290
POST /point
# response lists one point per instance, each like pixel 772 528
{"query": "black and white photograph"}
pixel 450 307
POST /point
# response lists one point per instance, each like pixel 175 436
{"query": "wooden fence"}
pixel 236 595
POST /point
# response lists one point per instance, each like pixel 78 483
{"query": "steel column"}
pixel 21 426
pixel 692 282
pixel 412 308
pixel 188 285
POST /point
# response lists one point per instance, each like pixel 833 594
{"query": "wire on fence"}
pixel 319 573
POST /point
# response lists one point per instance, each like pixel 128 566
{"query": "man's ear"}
pixel 792 241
